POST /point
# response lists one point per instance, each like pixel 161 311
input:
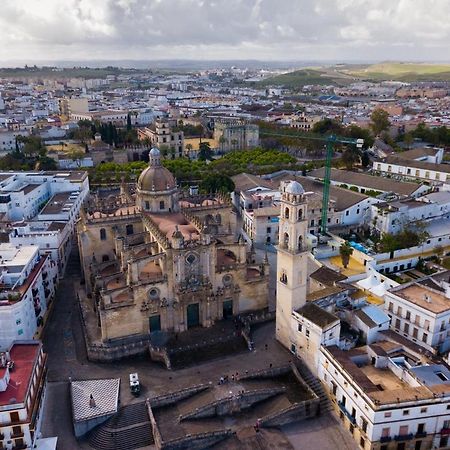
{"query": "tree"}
pixel 83 134
pixel 205 152
pixel 217 183
pixel 327 126
pixel 32 146
pixel 351 156
pixel 379 121
pixel 345 250
pixel 356 132
pixel 365 159
pixel 128 122
pixel 408 139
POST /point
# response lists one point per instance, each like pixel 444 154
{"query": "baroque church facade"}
pixel 158 260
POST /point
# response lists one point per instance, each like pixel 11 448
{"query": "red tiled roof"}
pixel 24 357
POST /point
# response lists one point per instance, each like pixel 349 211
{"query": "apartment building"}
pixel 23 194
pixel 28 282
pixel 312 327
pixel 53 238
pixel 420 311
pixel 388 395
pixel 391 217
pixel 22 394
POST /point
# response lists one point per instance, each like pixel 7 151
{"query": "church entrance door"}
pixel 227 309
pixel 193 315
pixel 155 323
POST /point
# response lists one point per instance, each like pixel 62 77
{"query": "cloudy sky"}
pixel 225 29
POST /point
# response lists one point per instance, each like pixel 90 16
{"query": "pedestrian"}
pixel 270 365
pixel 246 372
pixel 266 347
pixel 232 377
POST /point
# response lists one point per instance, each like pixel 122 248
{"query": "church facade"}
pixel 157 260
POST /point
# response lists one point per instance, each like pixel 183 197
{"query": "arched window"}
pixel 286 240
pixel 129 229
pixel 300 243
pixel 300 214
pixel 286 213
pixel 161 204
pixel 102 234
pixel 105 258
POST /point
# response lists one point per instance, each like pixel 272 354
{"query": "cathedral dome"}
pixel 156 177
pixel 294 187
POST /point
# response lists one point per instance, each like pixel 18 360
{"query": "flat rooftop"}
pixel 24 357
pixel 425 298
pixel 12 256
pixel 57 203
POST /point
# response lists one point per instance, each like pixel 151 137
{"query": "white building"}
pixel 23 194
pixel 398 167
pixel 392 217
pixel 388 395
pixel 311 327
pixel 53 239
pixel 8 139
pixel 371 320
pixel 27 286
pixel 420 311
pixel 22 394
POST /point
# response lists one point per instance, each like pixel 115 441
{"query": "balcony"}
pixel 445 431
pixel 385 439
pixel 17 435
pixel 404 437
pixel 344 410
pixel 421 435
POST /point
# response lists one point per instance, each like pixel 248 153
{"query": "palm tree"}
pixel 345 250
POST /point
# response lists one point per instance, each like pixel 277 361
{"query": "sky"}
pixel 291 30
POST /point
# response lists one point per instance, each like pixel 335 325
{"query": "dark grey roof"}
pixel 368 181
pixel 317 315
pixel 327 276
pixel 245 181
pixel 365 318
pixel 343 198
pixel 398 160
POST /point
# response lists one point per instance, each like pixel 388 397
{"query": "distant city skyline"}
pixel 268 30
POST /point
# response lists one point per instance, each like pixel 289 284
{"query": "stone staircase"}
pixel 73 266
pixel 314 383
pixel 128 429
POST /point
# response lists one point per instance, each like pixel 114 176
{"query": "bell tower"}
pixel 292 258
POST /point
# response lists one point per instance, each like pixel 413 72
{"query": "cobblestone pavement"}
pixel 64 343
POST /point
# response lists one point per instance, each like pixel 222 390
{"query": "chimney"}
pixel 92 402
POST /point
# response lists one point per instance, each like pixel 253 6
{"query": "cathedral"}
pixel 156 259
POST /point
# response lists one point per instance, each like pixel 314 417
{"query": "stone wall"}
pixel 174 397
pixel 117 349
pixel 294 413
pixel 234 404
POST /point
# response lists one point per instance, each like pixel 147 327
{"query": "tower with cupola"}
pixel 292 257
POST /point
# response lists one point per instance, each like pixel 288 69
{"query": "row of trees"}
pixel 109 132
pixel 212 175
pixel 379 125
